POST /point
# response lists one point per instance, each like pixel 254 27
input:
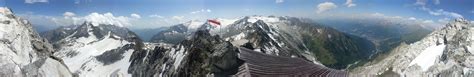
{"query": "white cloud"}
pixel 397 17
pixel 154 21
pixel 179 18
pixel 35 1
pixel 378 14
pixel 444 20
pixel 436 2
pixel 68 14
pixel 134 15
pixel 156 16
pixel 428 21
pixel 440 12
pixel 107 18
pixel 279 1
pixel 451 14
pixel 423 2
pixel 349 3
pixel 455 15
pixel 420 2
pixel 247 9
pixel 202 11
pixel 385 19
pixel 325 6
pixel 412 18
pixel 434 13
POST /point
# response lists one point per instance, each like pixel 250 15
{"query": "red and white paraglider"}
pixel 212 23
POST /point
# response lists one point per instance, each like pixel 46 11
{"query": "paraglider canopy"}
pixel 214 22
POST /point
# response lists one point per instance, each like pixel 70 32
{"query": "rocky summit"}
pixel 23 52
pixel 202 55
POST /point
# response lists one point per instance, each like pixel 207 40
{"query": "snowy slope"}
pixel 96 49
pixel 86 50
pixel 193 24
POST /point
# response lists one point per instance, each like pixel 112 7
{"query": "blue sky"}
pixel 156 13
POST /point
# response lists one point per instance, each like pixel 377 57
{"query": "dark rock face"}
pixel 225 61
pixel 147 63
pixel 58 34
pixel 113 55
pixel 203 54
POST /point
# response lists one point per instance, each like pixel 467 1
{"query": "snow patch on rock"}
pixel 54 68
pixel 178 56
pixel 94 68
pixel 428 57
pixel 84 61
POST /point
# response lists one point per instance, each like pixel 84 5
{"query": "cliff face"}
pixel 24 53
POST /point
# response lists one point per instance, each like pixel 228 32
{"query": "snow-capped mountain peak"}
pixel 193 24
pixel 226 22
pixel 458 24
pixel 95 49
pixel 5 11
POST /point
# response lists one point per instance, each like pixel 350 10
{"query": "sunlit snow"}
pixel 427 58
pixel 87 52
pixel 265 19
